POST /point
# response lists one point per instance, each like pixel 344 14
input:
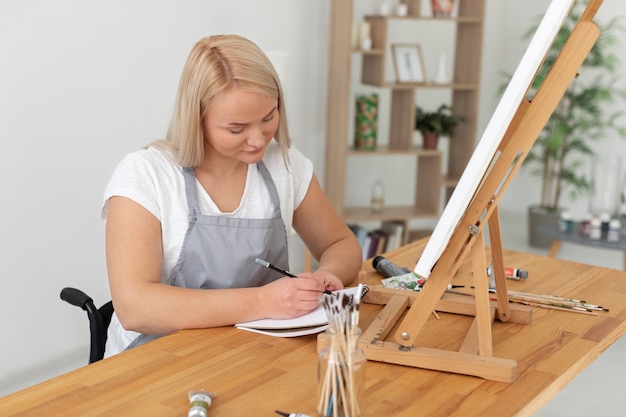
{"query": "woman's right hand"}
pixel 287 298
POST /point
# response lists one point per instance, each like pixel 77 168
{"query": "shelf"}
pixel 431 185
pixel 384 150
pixel 413 86
pixel 417 234
pixel 450 182
pixel 451 20
pixel 356 214
pixel 369 52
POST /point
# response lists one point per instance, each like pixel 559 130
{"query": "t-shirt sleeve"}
pixel 134 178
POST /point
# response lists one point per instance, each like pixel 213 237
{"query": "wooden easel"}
pixel 476 354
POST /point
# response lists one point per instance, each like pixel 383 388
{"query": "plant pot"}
pixel 430 140
pixel 537 218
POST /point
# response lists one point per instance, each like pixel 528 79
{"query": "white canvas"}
pixel 494 132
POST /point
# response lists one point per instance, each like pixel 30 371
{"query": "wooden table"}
pixel 253 374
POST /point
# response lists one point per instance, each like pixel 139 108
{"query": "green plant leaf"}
pixel 585 114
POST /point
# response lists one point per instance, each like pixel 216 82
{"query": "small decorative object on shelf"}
pixel 442 8
pixel 614 230
pixel 432 125
pixel 595 231
pixel 366 44
pixel 378 197
pixel 383 7
pixel 366 122
pixel 402 9
pixel 565 222
pixel 605 219
pixel 585 224
pixel 361 37
pixel 441 76
pixel 365 37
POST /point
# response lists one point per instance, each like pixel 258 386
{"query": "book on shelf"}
pixel 364 237
pixel 360 233
pixel 374 242
pixel 395 233
pixel 377 244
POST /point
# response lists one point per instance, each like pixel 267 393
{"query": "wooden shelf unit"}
pixel 430 181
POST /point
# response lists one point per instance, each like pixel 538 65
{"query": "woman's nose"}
pixel 256 137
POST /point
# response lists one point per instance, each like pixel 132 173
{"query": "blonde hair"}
pixel 215 65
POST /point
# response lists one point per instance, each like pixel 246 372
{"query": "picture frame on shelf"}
pixel 442 8
pixel 408 64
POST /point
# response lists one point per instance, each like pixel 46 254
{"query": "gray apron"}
pixel 220 252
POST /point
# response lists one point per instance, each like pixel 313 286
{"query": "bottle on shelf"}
pixel 605 218
pixel 565 222
pixel 378 197
pixel 595 231
pixel 614 230
pixel 584 224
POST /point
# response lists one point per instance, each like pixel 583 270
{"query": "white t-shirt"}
pixel 155 181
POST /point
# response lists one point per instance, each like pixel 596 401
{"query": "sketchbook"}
pixel 311 323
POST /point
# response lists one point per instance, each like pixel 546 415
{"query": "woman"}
pixel 187 216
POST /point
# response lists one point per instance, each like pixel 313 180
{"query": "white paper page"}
pixel 316 318
pixel 288 332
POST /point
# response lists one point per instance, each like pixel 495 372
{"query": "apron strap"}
pixel 271 187
pixel 191 190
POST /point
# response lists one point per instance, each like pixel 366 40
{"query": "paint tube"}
pixel 509 273
pixel 387 268
pixel 199 403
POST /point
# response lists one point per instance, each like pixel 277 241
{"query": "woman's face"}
pixel 239 124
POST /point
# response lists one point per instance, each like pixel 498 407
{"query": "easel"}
pixel 475 356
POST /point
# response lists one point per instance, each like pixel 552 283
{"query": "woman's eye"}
pixel 269 118
pixel 236 131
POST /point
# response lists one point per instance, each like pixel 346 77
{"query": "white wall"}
pixel 84 82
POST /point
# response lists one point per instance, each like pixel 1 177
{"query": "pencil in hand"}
pixel 274 267
pixel 282 271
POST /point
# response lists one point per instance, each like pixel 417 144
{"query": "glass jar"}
pixel 585 224
pixel 614 230
pixel 565 222
pixel 595 231
pixel 341 376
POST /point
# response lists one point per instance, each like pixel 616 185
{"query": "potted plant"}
pixel 432 125
pixel 584 115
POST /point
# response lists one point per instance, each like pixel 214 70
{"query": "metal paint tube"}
pixel 387 268
pixel 199 403
pixel 509 273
